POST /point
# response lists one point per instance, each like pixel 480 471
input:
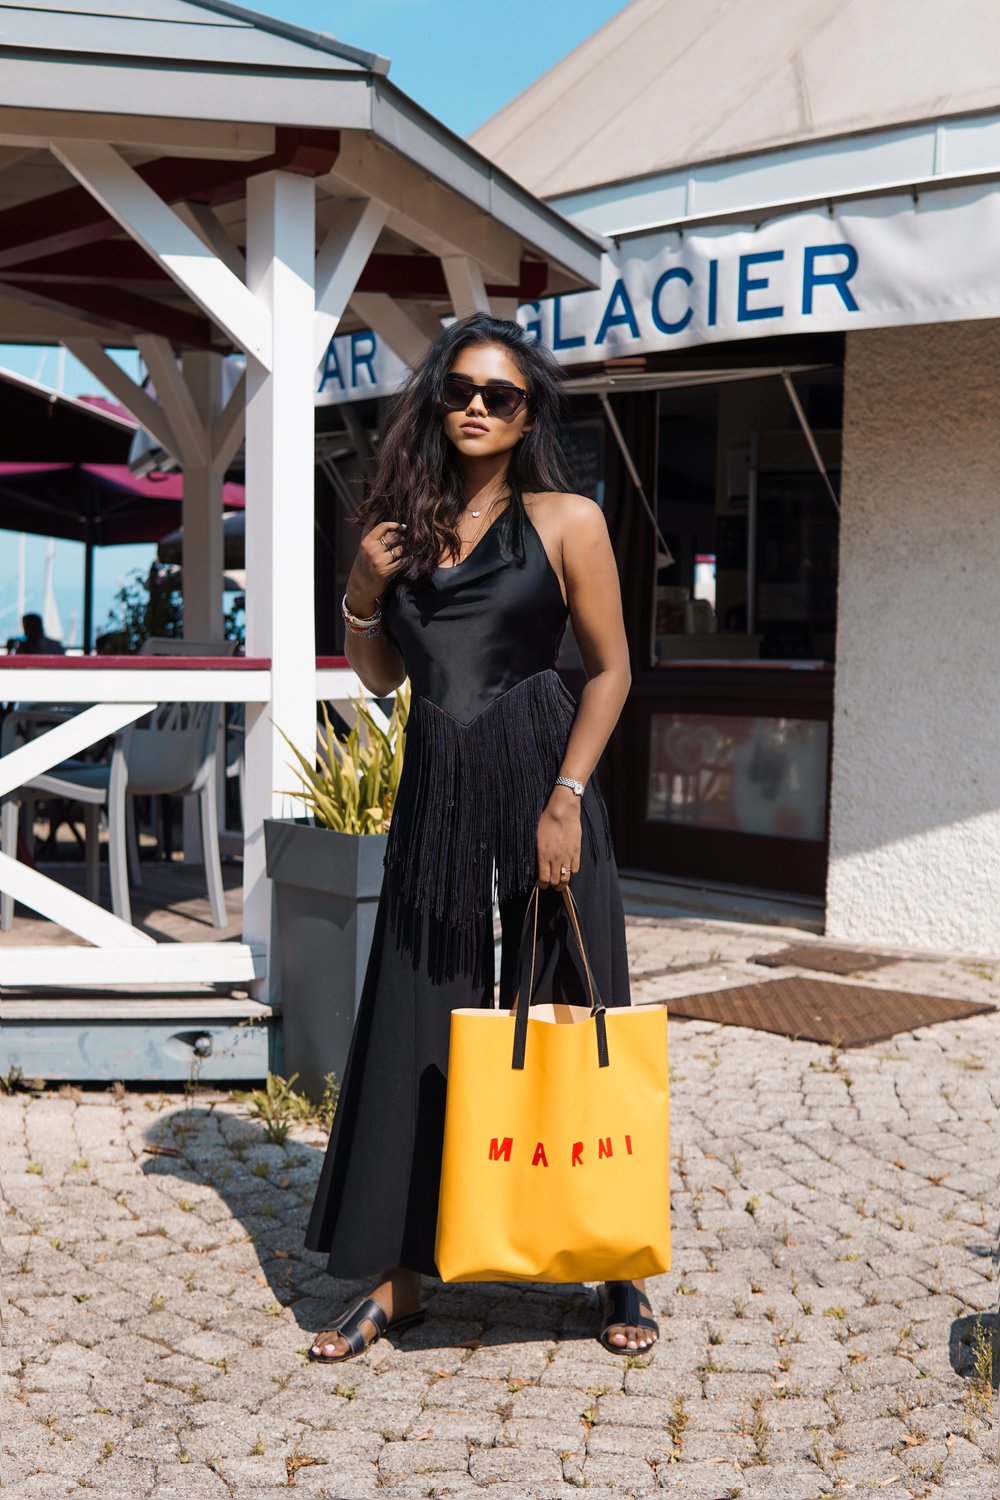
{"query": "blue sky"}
pixel 461 62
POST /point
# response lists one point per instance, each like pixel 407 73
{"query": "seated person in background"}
pixel 35 642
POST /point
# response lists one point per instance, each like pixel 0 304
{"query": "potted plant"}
pixel 327 874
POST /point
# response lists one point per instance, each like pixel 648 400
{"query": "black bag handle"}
pixel 521 1006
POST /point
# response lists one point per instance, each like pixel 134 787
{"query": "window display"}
pixel 746 774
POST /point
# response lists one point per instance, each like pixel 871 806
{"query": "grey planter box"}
pixel 327 887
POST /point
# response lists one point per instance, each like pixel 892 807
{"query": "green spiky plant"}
pixel 352 786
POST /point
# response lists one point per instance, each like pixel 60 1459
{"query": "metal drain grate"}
pixel 821 1010
pixel 828 960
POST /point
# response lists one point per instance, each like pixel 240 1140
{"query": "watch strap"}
pixel 574 786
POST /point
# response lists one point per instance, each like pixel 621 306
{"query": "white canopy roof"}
pixel 198 96
pixel 667 83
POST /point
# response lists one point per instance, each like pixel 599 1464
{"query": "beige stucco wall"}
pixel 915 801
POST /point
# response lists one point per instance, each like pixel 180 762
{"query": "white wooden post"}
pixel 202 546
pixel 279 522
pixel 202 556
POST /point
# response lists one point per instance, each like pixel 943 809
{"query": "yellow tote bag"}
pixel 556 1144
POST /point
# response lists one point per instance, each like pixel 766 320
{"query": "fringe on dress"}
pixel 463 831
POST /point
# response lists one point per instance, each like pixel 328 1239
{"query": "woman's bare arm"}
pixel 374 658
pixel 593 595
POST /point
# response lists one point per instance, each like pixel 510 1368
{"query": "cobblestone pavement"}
pixel 828 1325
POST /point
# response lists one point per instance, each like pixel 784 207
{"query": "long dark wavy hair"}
pixel 417 478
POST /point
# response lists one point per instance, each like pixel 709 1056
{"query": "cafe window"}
pixel 749 522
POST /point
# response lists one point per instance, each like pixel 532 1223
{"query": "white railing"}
pixel 113 692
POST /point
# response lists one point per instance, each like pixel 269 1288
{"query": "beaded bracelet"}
pixel 361 626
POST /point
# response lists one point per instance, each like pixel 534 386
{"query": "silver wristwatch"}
pixel 574 786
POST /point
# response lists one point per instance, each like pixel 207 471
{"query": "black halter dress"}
pixel 489 721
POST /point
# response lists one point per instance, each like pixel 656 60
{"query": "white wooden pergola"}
pixel 194 180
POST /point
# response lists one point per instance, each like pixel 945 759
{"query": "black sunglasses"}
pixel 500 400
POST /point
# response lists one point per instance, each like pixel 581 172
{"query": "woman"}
pixel 473 557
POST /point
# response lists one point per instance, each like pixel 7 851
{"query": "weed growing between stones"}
pixel 676 1423
pixel 14 1082
pixel 297 1460
pixel 756 1427
pixel 280 1106
pixel 979 1394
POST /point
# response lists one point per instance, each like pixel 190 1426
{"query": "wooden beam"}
pixel 119 310
pixel 10 156
pixel 123 262
pixel 138 209
pixel 228 431
pixel 66 909
pixel 348 243
pixel 23 322
pixel 407 329
pixel 466 287
pixel 174 396
pixel 109 263
pixel 71 218
pixel 64 740
pixel 423 210
pixel 152 963
pixel 34 128
pixel 142 406
pixel 209 228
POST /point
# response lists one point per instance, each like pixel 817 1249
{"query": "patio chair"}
pixel 171 751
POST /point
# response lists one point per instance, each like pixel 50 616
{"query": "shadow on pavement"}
pixel 268 1190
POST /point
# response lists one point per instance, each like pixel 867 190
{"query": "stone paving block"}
pixel 481 1428
pixel 429 1484
pixel 185 1485
pixel 635 1411
pixel 363 1414
pixel 253 1474
pixel 525 1361
pixel 786 1481
pixel 349 1480
pixel 535 1467
pixel 722 1414
pixel 699 1481
pixel 737 1387
pixel 745 1359
pixel 666 1376
pixel 437 1455
pixel 646 1443
pixel 704 1447
pixel 529 1432
pixel 621 1474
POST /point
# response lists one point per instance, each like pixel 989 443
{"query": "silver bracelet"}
pixel 361 619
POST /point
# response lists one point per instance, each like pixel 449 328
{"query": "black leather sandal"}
pixel 349 1328
pixel 624 1303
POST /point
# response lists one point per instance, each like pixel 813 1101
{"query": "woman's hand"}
pixel 558 839
pixel 380 555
